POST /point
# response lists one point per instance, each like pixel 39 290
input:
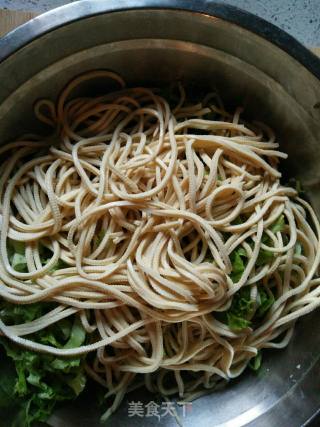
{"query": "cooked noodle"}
pixel 141 201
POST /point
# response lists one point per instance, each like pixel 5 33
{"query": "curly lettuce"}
pixel 33 383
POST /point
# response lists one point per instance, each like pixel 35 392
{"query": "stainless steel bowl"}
pixel 251 63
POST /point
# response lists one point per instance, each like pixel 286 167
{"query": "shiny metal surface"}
pixel 204 45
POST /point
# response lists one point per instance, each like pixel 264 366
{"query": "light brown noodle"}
pixel 134 200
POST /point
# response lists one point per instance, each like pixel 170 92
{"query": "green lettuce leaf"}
pixel 59 265
pixel 77 383
pixel 239 220
pixel 238 260
pixel 243 311
pixel 14 314
pixel 46 255
pixel 264 257
pixel 266 301
pixel 77 336
pixel 16 254
pixel 36 382
pixel 255 362
pixel 97 239
pixel 278 225
pixel 19 263
pixel 17 258
pixel 242 306
pixel 237 323
pixel 18 247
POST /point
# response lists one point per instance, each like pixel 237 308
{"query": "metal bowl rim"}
pixel 64 15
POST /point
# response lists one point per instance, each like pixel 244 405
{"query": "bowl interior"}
pixel 155 48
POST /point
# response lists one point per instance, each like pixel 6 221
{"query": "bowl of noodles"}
pixel 159 205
